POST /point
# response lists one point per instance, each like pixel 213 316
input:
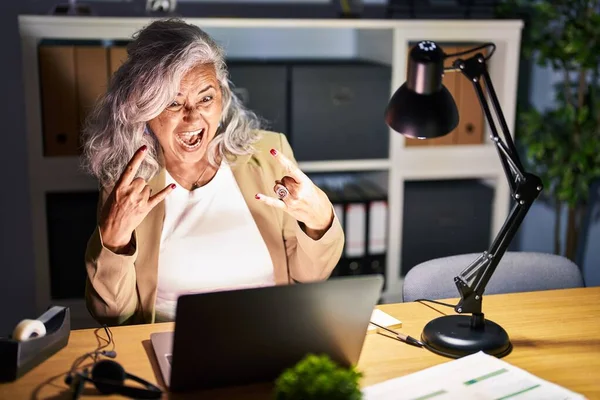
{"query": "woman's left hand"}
pixel 300 197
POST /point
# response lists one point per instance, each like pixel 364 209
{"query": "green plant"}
pixel 318 377
pixel 562 144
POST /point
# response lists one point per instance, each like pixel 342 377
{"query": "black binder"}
pixel 338 206
pixel 376 232
pixel 355 222
pixel 348 203
pixel 361 206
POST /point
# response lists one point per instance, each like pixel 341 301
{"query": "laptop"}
pixel 239 337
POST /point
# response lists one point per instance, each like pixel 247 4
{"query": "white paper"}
pixel 377 227
pixel 383 319
pixel 355 230
pixel 478 376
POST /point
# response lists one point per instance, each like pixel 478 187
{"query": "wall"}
pixel 16 265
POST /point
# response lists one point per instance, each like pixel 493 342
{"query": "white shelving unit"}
pixel 384 41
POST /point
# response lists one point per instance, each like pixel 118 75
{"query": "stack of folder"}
pixel 361 205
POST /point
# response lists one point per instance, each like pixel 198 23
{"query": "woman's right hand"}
pixel 127 206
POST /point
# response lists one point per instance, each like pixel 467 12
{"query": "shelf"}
pixel 123 27
pixel 450 162
pixel 344 165
pixel 385 41
pixel 64 173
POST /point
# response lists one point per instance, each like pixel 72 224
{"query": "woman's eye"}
pixel 206 99
pixel 174 106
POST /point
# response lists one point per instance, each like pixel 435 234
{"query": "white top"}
pixel 209 242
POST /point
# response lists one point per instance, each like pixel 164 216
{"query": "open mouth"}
pixel 190 140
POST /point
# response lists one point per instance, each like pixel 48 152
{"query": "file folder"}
pixel 355 223
pixel 116 57
pixel 338 209
pixel 58 91
pixel 376 205
pixel 91 72
pixel 361 205
pixel 348 203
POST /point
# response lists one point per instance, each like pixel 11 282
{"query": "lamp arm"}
pixel 525 188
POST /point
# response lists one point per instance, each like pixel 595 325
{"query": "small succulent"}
pixel 318 377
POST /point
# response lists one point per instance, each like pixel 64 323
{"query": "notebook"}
pixel 383 319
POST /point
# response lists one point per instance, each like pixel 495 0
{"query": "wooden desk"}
pixel 554 333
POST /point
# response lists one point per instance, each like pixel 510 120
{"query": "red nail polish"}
pixel 173 186
pixel 144 148
pixel 274 152
pixel 256 196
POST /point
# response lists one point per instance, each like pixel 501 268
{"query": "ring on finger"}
pixel 281 191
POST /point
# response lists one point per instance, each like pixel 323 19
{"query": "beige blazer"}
pixel 121 289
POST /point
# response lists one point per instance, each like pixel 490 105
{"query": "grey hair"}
pixel 146 83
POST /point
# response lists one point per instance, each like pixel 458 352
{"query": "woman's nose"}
pixel 192 115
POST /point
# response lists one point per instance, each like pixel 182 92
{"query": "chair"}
pixel 516 272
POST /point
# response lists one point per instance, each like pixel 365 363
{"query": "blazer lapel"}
pixel 148 235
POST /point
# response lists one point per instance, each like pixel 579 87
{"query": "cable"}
pixel 98 351
pixel 435 302
pixel 100 338
pixel 483 46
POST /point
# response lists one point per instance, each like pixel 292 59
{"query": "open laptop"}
pixel 245 336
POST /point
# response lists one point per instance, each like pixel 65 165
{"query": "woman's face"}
pixel 186 127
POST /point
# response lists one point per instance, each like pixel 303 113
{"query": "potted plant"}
pixel 318 377
pixel 562 144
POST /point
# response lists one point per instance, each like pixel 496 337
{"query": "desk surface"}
pixel 554 334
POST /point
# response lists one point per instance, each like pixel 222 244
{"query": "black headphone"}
pixel 108 377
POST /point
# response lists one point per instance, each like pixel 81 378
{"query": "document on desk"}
pixel 478 376
pixel 383 319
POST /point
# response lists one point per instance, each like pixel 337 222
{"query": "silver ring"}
pixel 281 191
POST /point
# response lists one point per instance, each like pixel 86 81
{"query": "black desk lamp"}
pixel 423 108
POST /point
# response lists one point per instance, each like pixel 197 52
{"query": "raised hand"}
pixel 127 205
pixel 299 197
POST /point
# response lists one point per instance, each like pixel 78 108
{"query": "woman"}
pixel 185 175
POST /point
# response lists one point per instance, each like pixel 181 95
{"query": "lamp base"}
pixel 455 336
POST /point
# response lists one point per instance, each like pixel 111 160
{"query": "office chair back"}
pixel 516 272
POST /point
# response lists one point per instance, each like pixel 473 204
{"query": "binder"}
pixel 91 75
pixel 451 80
pixel 116 57
pixel 338 208
pixel 376 199
pixel 59 100
pixel 361 205
pixel 355 223
pixel 348 203
pixel 471 120
pixel 72 77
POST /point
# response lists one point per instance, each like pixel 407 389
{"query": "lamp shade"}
pixel 422 107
